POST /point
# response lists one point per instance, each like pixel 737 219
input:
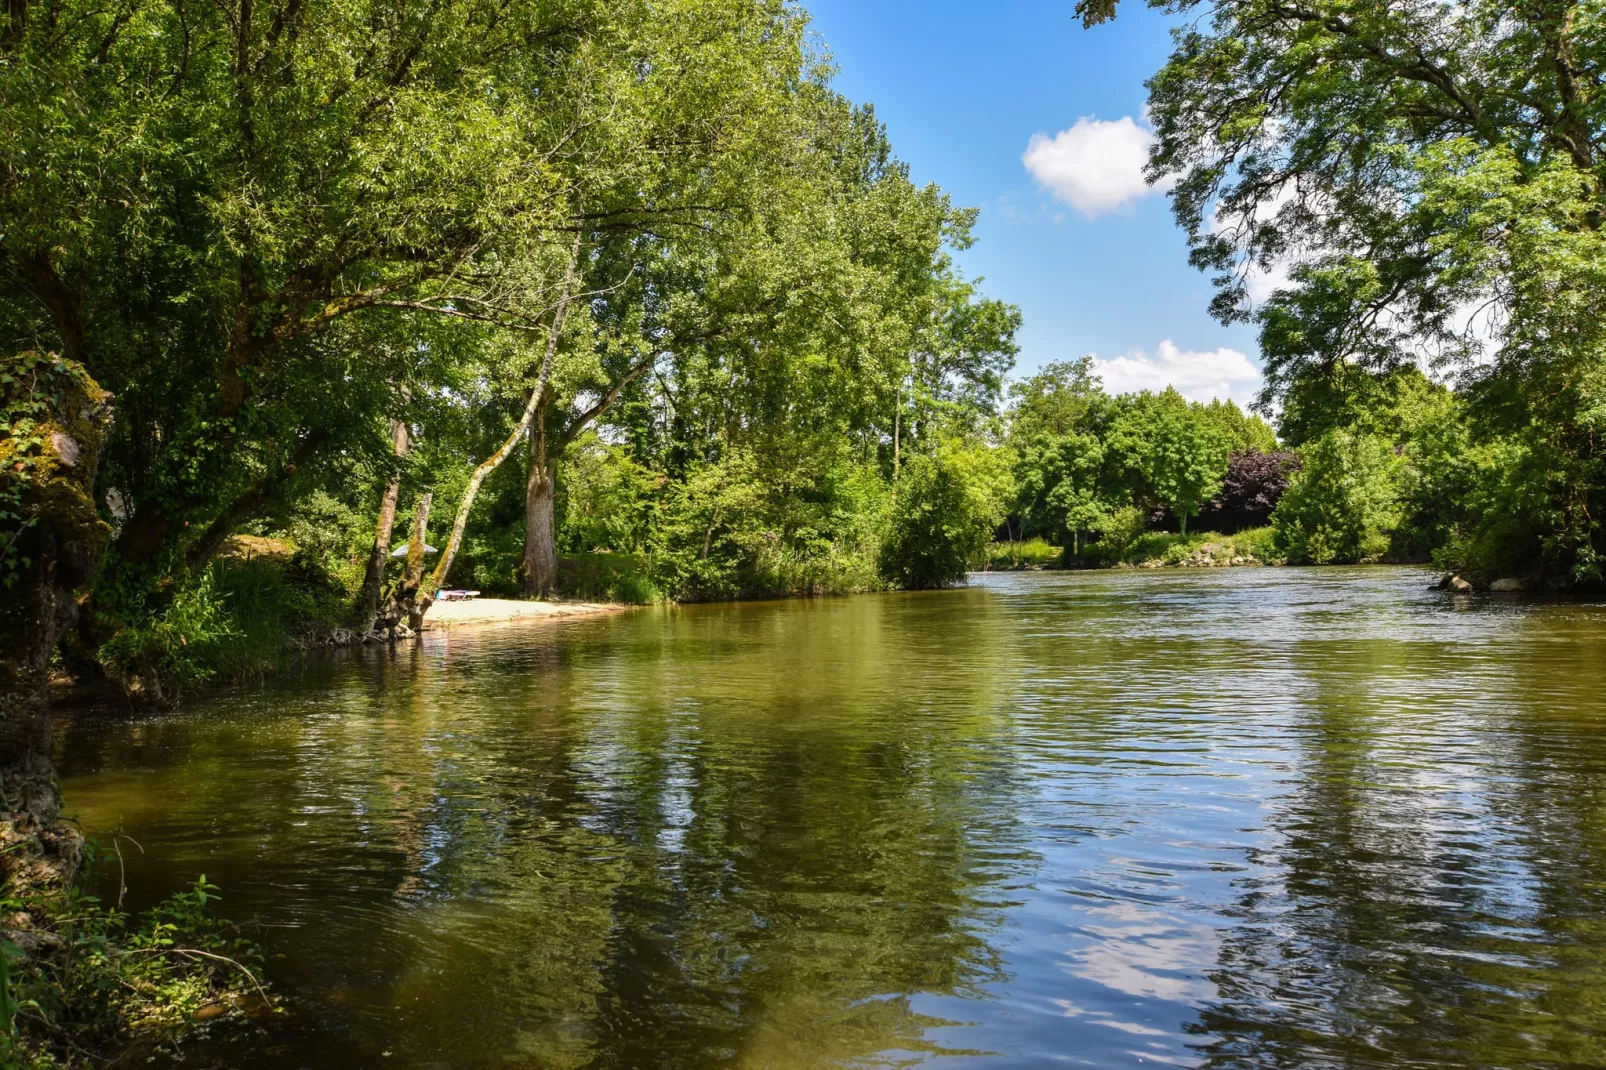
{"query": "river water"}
pixel 1241 818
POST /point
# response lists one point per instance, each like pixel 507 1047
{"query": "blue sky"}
pixel 1095 265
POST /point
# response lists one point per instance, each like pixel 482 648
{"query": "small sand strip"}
pixel 500 610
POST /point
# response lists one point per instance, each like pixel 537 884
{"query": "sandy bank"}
pixel 500 610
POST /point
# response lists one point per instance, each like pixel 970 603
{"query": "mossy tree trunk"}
pixel 55 419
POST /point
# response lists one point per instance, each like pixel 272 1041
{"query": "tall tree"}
pixel 1432 180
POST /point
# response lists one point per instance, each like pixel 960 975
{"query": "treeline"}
pixel 1392 470
pixel 1420 186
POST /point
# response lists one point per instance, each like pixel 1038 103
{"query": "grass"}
pixel 1018 556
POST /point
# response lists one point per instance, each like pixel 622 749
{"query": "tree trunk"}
pixel 540 551
pixel 425 597
pixel 55 553
pixel 413 576
pixel 374 574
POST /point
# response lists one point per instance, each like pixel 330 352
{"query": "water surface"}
pixel 1246 818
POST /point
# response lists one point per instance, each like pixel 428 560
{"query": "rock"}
pixel 1460 585
pixel 1239 560
pixel 1509 585
pixel 34 941
pixel 66 448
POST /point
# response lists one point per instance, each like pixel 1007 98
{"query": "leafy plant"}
pixel 104 981
pixel 947 506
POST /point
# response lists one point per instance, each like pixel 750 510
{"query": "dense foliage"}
pixel 1430 180
pixel 625 278
pixel 1088 464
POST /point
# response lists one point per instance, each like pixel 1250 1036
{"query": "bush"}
pixel 1344 506
pixel 946 507
pixel 99 985
pixel 1122 531
pixel 230 622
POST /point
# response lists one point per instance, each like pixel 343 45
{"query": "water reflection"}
pixel 1256 818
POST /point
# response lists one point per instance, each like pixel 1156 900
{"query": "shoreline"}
pixel 446 616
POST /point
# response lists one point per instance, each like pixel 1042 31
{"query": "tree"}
pixel 1251 488
pixel 1345 502
pixel 948 504
pixel 1186 460
pixel 1057 487
pixel 1431 179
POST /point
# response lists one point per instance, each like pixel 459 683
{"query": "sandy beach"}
pixel 443 615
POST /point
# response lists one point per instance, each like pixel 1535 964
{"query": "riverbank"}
pixel 1159 549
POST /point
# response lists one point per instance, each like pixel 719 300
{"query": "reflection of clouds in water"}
pixel 1145 953
pixel 1153 1051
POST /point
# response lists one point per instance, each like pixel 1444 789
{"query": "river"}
pixel 1234 818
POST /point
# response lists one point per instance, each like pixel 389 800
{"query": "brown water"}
pixel 1248 818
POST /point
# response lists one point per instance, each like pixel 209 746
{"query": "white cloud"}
pixel 1221 373
pixel 1096 166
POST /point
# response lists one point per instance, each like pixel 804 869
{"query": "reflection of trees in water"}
pixel 726 834
pixel 788 835
pixel 1435 895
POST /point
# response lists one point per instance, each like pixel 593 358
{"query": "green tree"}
pixel 1186 459
pixel 1344 505
pixel 1431 180
pixel 947 506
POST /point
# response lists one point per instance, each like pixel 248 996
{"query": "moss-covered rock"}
pixel 53 422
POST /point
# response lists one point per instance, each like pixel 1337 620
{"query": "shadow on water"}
pixel 1246 818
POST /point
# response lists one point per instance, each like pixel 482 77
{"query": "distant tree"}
pixel 1063 398
pixel 1057 485
pixel 1345 504
pixel 1244 431
pixel 1253 485
pixel 1185 461
pixel 948 505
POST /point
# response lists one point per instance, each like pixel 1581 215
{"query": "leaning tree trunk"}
pixel 540 551
pixel 373 576
pixel 421 599
pixel 55 419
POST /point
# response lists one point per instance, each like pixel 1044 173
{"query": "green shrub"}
pixel 946 507
pixel 107 984
pixel 1122 531
pixel 230 622
pixel 1344 505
